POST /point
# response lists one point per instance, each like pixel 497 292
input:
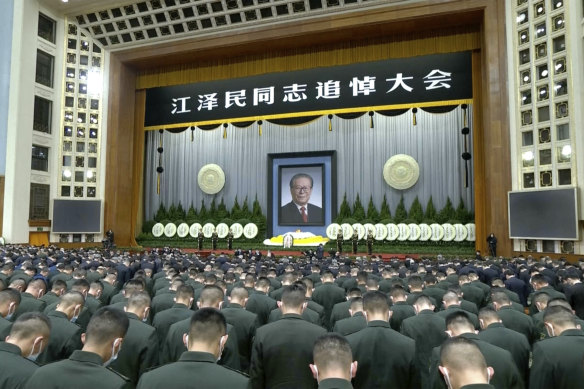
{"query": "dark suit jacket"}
pixel 289 214
pixel 557 362
pixel 381 365
pixel 193 370
pixel 271 367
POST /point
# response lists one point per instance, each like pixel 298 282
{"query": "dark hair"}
pixel 301 175
pixel 375 301
pixel 106 324
pixel 30 324
pixel 332 351
pixel 294 295
pixel 207 325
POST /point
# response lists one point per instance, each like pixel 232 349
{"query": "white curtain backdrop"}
pixel 436 143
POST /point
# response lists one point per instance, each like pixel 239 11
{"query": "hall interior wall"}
pixel 486 38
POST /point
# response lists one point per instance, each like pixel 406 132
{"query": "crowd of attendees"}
pixel 164 318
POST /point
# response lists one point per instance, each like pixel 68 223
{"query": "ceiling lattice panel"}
pixel 151 21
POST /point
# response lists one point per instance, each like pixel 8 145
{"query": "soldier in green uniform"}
pixel 65 335
pixel 200 239
pixel 28 337
pixel 340 241
pixel 9 300
pixel 57 290
pixel 86 368
pixel 140 350
pixel 272 368
pixel 30 299
pixel 375 349
pixel 333 365
pixel 370 243
pixel 355 241
pixel 463 365
pixel 230 240
pixel 214 239
pixel 181 310
pixel 354 323
pixel 557 361
pixel 244 322
pixel 197 367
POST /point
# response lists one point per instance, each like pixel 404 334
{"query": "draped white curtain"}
pixel 436 143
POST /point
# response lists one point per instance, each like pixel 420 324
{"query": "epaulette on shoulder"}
pixel 236 371
pixel 118 374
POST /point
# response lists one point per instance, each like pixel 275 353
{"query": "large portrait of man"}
pixel 301 192
pixel 301 196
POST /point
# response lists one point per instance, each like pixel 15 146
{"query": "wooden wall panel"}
pixel 120 153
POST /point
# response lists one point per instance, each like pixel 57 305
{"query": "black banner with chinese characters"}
pixel 388 84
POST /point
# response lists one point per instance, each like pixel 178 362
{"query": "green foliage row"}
pixel 416 213
pixel 214 214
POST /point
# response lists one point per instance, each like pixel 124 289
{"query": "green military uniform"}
pixel 518 321
pixel 245 324
pixel 328 294
pixel 82 319
pixel 82 370
pixel 435 293
pixel 500 360
pixel 428 330
pixel 14 369
pixel 401 311
pixel 117 298
pixel 335 383
pixel 557 362
pixel 163 301
pixel 271 367
pixel 29 303
pixel 92 304
pixel 108 291
pixel 261 304
pixel 308 314
pixel 65 338
pixel 546 289
pixel 351 324
pixel 60 276
pixel 473 294
pixel 50 298
pixel 5 326
pixel 381 365
pixel 163 320
pixel 340 311
pixel 484 287
pixel 456 308
pixel 276 294
pixel 174 346
pixel 193 370
pixel 139 350
pixel 512 341
pixel 93 276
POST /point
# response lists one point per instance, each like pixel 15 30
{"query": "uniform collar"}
pixel 10 348
pixel 292 316
pixel 179 305
pixel 572 332
pixel 197 356
pixel 233 305
pixel 86 356
pixel 495 325
pixel 334 383
pixel 378 323
pixel 58 314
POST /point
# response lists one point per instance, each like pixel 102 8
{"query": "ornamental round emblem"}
pixel 211 178
pixel 401 171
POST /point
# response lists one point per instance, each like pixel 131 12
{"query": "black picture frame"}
pixel 321 166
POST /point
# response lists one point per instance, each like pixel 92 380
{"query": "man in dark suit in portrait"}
pixel 299 211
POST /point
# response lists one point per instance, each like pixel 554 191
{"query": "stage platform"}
pixel 296 253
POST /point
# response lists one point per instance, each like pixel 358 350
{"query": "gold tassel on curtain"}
pixel 224 130
pixel 192 133
pixel 330 118
pixel 260 127
pixel 415 111
pixel 371 113
pixel 159 169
